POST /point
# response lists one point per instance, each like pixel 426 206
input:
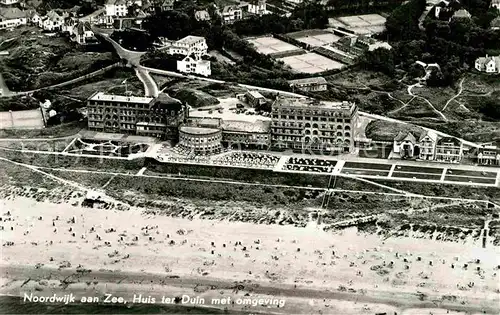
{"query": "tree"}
pixel 380 59
pixel 171 24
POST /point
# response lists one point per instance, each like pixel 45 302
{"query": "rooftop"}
pixel 198 130
pixel 255 94
pixel 12 13
pixel 408 135
pixel 314 80
pixel 461 14
pixel 309 102
pixel 453 140
pixel 101 96
pixel 190 39
pixel 246 126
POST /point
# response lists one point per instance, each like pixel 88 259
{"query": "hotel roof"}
pixel 190 39
pixel 314 80
pixel 101 96
pixel 198 130
pixel 258 126
pixel 309 102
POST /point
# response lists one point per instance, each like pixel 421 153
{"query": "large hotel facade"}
pixel 294 123
pixel 312 124
pixel 158 117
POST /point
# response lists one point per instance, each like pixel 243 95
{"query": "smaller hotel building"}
pixel 159 117
pixel 311 124
pixel 199 140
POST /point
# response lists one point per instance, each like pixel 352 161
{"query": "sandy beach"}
pixel 311 270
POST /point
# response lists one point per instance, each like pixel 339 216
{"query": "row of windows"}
pixel 308 112
pixel 118 105
pixel 308 125
pixel 244 137
pixel 307 139
pixel 310 118
pixel 313 132
pixel 199 140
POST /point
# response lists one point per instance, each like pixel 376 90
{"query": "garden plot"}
pixel 106 148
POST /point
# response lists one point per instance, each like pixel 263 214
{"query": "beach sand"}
pixel 312 270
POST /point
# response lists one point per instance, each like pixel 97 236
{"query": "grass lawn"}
pixel 472 173
pixel 469 179
pixel 360 79
pixel 379 130
pixel 418 169
pixel 417 108
pixel 364 172
pixel 15 175
pixel 64 130
pixel 36 59
pixel 415 175
pixel 368 166
pixel 52 145
pixel 437 96
pixel 110 82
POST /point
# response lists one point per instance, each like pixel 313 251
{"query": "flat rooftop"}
pixel 299 102
pixel 198 130
pixel 258 126
pixel 313 80
pixel 190 39
pixel 101 96
pixel 226 110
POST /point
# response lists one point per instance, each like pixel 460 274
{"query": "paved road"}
pixel 150 87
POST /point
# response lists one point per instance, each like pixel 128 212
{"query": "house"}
pixel 102 20
pixel 461 14
pixel 194 65
pixel 230 14
pixel 445 8
pixel 33 17
pixel 495 4
pixel 8 2
pixel 185 46
pixel 488 154
pixel 52 21
pixel 120 7
pixel 166 5
pixel 449 149
pixel 257 7
pixel 255 99
pixel 69 24
pixel 404 144
pixel 427 145
pixel 12 17
pixel 202 15
pixel 495 23
pixel 309 84
pixel 488 64
pixel 82 33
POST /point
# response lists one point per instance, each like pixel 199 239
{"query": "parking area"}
pixel 311 63
pixel 268 45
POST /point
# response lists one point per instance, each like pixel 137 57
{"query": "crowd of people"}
pixel 310 165
pixel 251 159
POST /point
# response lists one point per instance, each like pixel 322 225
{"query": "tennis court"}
pixel 311 63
